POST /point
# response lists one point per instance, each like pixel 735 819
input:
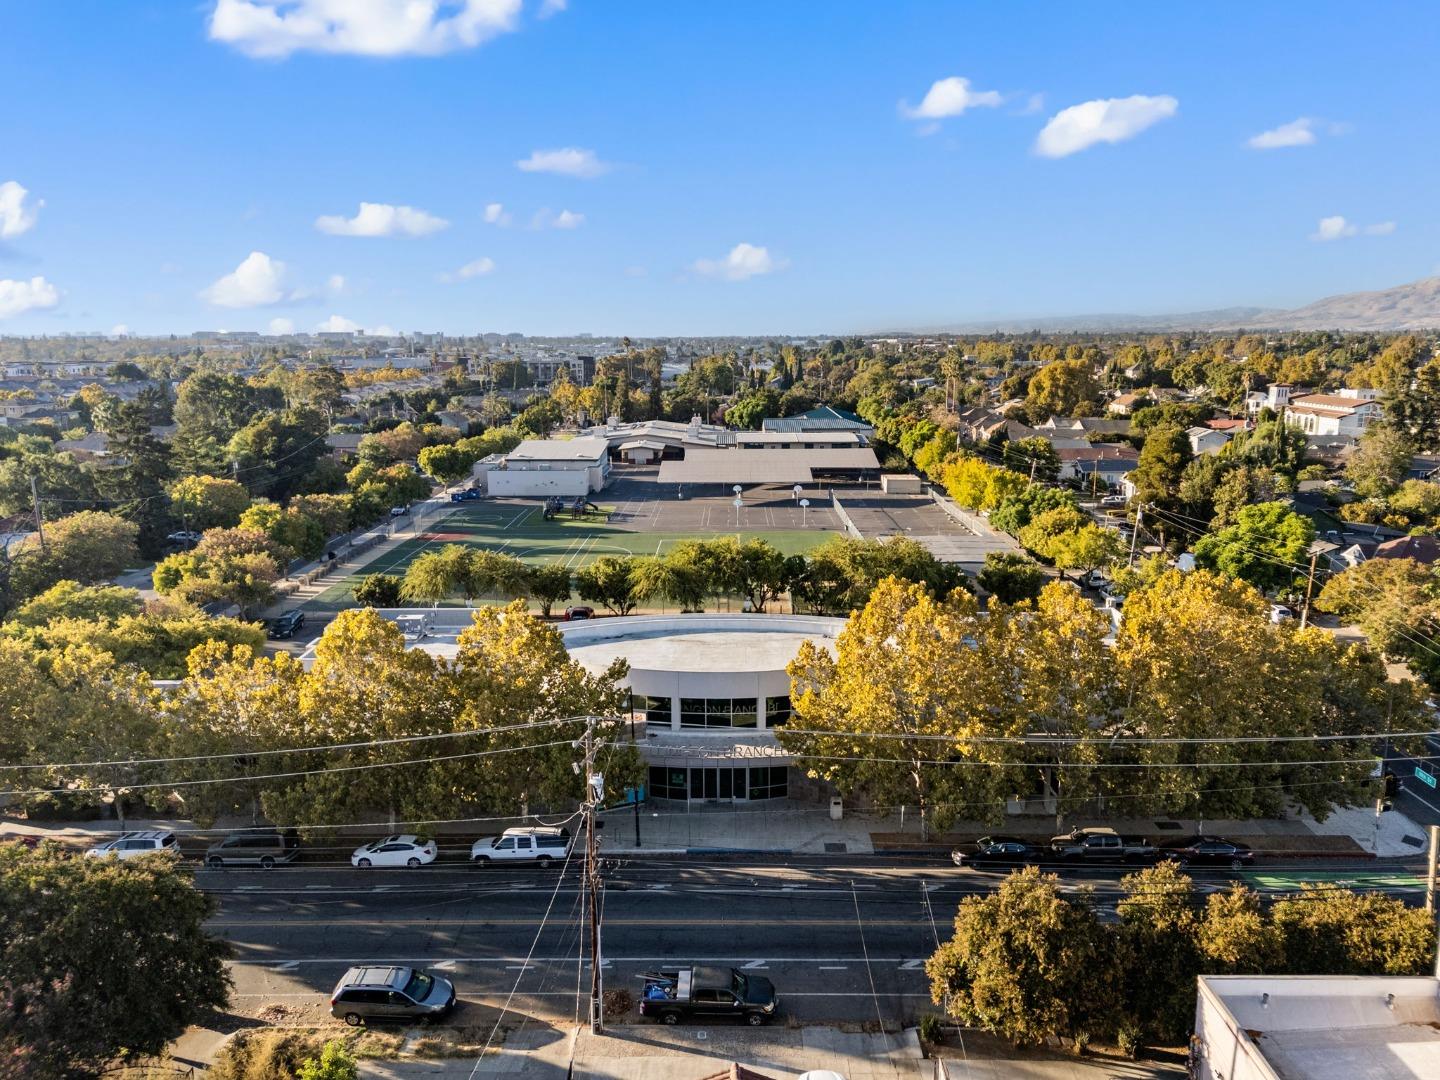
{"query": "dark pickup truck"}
pixel 1100 845
pixel 705 993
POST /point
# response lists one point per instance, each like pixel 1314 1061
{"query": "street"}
pixel 842 938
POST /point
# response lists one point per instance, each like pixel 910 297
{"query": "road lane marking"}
pixel 754 965
pixel 911 965
pixel 833 967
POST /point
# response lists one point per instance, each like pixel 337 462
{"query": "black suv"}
pixel 284 626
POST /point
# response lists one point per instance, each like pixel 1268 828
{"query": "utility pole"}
pixel 593 788
pixel 1430 873
pixel 1134 536
pixel 39 517
pixel 1309 588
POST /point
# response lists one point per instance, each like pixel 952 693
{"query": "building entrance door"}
pixel 714 784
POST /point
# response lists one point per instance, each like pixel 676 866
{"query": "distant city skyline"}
pixel 551 167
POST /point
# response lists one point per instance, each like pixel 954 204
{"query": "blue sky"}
pixel 742 168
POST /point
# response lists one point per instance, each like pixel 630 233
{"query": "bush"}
pixel 265 1055
pixel 378 590
pixel 932 1028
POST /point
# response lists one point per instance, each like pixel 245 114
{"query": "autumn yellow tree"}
pixel 897 710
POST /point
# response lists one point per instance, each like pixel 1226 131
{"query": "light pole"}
pixel 805 513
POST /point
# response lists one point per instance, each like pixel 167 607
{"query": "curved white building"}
pixel 710 690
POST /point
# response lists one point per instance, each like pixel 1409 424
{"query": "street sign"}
pixel 1426 778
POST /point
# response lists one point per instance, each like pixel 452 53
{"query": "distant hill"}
pixel 1405 307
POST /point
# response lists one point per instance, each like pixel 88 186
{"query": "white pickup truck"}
pixel 542 845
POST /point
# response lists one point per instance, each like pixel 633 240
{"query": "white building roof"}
pixel 762 466
pixel 1321 1027
pixel 585 448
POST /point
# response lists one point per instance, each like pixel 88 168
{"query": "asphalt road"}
pixel 842 939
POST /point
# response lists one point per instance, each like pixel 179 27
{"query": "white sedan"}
pixel 408 851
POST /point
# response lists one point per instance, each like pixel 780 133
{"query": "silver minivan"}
pixel 395 994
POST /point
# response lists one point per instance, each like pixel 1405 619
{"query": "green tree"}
pixel 1266 546
pixel 1064 388
pixel 378 590
pixel 1011 577
pixel 275 452
pixel 1161 467
pixel 208 502
pixel 1380 461
pixel 675 578
pixel 548 584
pixel 433 575
pixel 69 983
pixel 1414 406
pixel 87 547
pixel 1159 951
pixel 1049 531
pixel 1235 936
pixel 610 582
pixel 1088 548
pixel 237 566
pixel 71 600
pixel 1328 931
pixel 750 410
pixel 1396 602
pixel 841 574
pixel 1016 511
pixel 1026 963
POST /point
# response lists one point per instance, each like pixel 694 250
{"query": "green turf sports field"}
pixel 521 530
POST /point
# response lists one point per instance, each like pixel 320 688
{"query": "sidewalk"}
pixel 655 1052
pixel 794 827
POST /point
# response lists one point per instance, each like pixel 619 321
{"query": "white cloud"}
pixel 281 326
pixel 1299 132
pixel 744 261
pixel 495 214
pixel 476 268
pixel 15 218
pixel 273 29
pixel 949 97
pixel 1338 228
pixel 567 161
pixel 1333 228
pixel 1033 104
pixel 382 219
pixel 18 297
pixel 1108 120
pixel 336 284
pixel 259 280
pixel 552 7
pixel 120 330
pixel 545 218
pixel 339 324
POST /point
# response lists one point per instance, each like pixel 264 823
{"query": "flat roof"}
pixel 839 438
pixel 697 643
pixel 584 448
pixel 762 466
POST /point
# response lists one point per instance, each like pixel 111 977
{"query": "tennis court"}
pixel 639 518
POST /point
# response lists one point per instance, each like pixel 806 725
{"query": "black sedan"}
pixel 999 853
pixel 1208 851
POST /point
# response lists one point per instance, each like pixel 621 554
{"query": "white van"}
pixel 539 844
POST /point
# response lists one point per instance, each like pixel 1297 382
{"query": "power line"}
pixel 1104 742
pixel 301 749
pixel 290 775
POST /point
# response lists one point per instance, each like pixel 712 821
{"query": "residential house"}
pixel 1424 467
pixel 1423 549
pixel 1125 404
pixel 1083 427
pixel 1102 464
pixel 1274 397
pixel 1345 412
pixel 824 418
pixel 457 420
pixel 1206 440
pixel 343 444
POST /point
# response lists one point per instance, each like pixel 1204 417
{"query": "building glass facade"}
pixel 718 783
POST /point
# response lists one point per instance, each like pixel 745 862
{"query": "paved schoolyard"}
pixel 877 515
pixel 638 517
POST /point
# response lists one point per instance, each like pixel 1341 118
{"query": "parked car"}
pixel 539 844
pixel 1207 851
pixel 999 853
pixel 708 992
pixel 1114 500
pixel 1279 613
pixel 129 845
pixel 283 626
pixel 581 612
pixel 1095 580
pixel 467 495
pixel 1100 845
pixel 399 511
pixel 408 851
pixel 397 994
pixel 254 847
pixel 188 537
